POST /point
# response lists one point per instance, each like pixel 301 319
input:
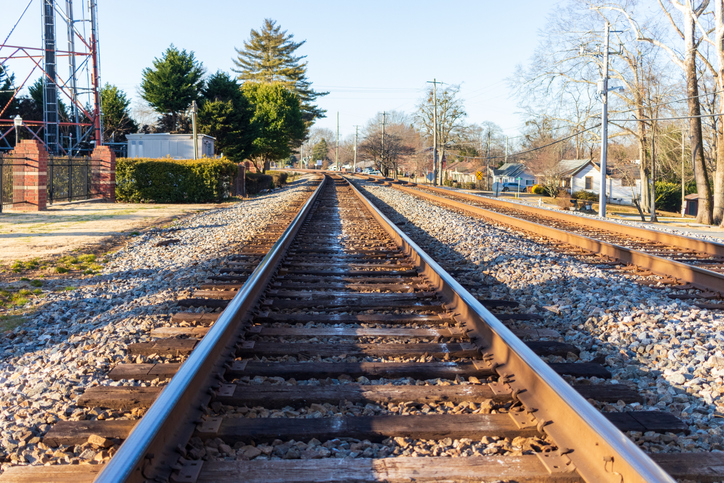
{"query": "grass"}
pixel 10 322
pixel 10 298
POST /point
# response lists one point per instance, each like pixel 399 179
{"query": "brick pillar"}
pixel 103 183
pixel 30 176
pixel 241 181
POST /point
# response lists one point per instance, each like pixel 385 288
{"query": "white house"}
pixel 162 145
pixel 623 181
pixel 510 173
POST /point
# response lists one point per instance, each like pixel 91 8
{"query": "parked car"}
pixel 514 187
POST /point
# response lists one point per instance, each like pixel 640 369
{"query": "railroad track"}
pixel 680 262
pixel 349 355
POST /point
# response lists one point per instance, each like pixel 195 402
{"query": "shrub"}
pixel 585 195
pixel 668 196
pixel 256 182
pixel 174 181
pixel 469 186
pixel 279 177
pixel 537 189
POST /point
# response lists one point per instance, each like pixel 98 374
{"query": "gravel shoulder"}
pixel 670 351
pixel 71 339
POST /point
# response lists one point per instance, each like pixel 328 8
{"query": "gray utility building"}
pixel 162 145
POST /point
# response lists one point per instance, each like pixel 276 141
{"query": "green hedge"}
pixel 257 182
pixel 585 195
pixel 174 181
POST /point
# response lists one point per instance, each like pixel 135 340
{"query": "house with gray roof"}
pixel 511 173
pixel 623 180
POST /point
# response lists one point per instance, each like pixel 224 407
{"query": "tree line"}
pixel 261 114
pixel 666 62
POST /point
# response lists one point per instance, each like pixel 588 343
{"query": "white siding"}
pixel 615 192
pixel 176 146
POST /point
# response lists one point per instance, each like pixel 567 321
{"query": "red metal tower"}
pixel 64 129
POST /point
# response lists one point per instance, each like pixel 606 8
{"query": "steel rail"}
pixel 162 427
pixel 698 277
pixel 711 248
pixel 599 451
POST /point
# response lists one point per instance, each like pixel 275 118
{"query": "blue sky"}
pixel 372 56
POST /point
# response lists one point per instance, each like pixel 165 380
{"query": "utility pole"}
pixel 435 170
pixel 194 110
pixel 356 129
pixel 336 154
pixel 604 127
pixel 683 185
pixel 652 198
pixel 506 149
pixel 487 166
pixel 382 153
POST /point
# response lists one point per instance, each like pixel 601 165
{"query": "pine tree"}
pixel 117 120
pixel 277 121
pixel 226 115
pixel 269 57
pixel 6 91
pixel 175 80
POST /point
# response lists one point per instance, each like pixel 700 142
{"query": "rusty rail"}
pixel 698 277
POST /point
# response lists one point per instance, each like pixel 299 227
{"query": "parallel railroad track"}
pixel 680 261
pixel 350 355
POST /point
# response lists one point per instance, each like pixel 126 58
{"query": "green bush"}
pixel 469 186
pixel 537 189
pixel 668 196
pixel 279 177
pixel 257 182
pixel 174 181
pixel 585 195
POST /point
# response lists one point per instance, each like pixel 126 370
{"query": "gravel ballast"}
pixel 670 351
pixel 72 338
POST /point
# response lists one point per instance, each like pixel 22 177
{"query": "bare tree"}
pixel 386 139
pixel 690 14
pixel 450 115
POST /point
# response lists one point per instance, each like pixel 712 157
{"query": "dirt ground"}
pixel 82 226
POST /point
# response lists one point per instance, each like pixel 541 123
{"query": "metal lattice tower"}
pixel 71 112
pixel 50 91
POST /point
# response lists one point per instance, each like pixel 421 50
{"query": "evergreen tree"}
pixel 277 122
pixel 319 151
pixel 226 115
pixel 175 80
pixel 117 120
pixel 268 56
pixel 36 95
pixel 6 92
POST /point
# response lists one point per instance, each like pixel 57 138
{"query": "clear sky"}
pixel 372 56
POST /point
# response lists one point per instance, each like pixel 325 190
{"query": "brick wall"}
pixel 103 183
pixel 30 176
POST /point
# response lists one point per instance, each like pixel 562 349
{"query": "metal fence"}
pixel 69 179
pixel 7 165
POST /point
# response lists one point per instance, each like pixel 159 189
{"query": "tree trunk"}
pixel 704 214
pixel 643 166
pixel 718 212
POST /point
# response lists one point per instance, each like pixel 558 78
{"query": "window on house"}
pixel 529 182
pixel 627 181
pixel 589 183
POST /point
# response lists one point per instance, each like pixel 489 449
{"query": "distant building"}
pixel 624 180
pixel 163 145
pixel 511 173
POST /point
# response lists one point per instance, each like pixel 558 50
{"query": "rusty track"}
pixel 696 262
pixel 354 300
